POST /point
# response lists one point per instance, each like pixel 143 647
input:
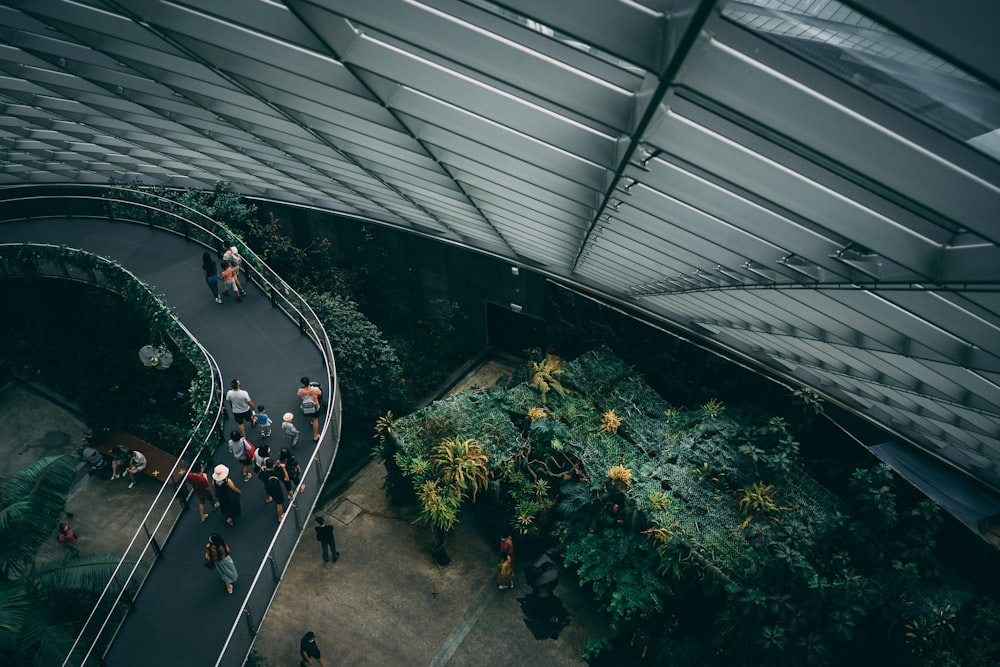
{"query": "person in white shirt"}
pixel 241 405
pixel 136 463
pixel 232 257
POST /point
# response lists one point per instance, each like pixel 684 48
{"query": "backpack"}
pixel 310 403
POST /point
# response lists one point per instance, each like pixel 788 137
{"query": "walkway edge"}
pixel 468 621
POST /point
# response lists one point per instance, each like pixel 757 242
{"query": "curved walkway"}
pixel 183 615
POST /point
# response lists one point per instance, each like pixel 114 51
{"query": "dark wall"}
pixel 405 274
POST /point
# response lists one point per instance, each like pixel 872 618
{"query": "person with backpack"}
pixel 243 452
pixel 311 397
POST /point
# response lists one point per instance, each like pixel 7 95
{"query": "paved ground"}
pixel 105 513
pixel 383 603
pixel 386 603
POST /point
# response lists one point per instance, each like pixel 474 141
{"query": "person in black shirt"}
pixel 309 650
pixel 324 533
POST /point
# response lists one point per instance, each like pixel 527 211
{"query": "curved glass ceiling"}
pixel 801 184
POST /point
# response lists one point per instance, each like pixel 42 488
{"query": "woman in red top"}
pixel 202 489
pixel 67 538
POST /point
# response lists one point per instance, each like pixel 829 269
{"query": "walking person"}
pixel 136 464
pixel 67 538
pixel 199 483
pixel 288 429
pixel 263 421
pixel 211 272
pixel 507 548
pixel 228 494
pixel 293 471
pixel 309 650
pixel 324 534
pixel 505 573
pixel 243 452
pixel 229 282
pixel 231 257
pixel 260 455
pixel 311 402
pixel 272 486
pixel 240 404
pixel 217 557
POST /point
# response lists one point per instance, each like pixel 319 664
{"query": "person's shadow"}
pixel 545 617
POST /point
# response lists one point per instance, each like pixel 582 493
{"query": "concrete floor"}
pixel 106 514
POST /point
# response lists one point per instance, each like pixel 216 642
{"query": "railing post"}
pixel 152 542
pixel 249 620
pixel 274 297
pixel 319 466
pixel 302 326
pixel 274 568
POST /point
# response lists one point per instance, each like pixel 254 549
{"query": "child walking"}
pixel 288 429
pixel 263 421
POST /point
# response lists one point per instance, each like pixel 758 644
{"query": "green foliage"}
pixel 976 640
pixel 619 565
pixel 256 659
pixel 596 647
pixel 43 605
pixel 31 501
pixel 721 507
pixel 367 368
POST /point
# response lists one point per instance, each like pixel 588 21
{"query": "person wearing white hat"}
pixel 288 428
pixel 227 493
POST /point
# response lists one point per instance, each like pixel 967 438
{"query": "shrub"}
pixel 368 371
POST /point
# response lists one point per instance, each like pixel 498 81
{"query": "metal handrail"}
pixel 210 234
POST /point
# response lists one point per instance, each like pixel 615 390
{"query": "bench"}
pixel 158 462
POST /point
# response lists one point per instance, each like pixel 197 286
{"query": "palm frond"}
pixel 86 575
pixel 30 505
pixel 46 480
pixel 45 639
pixel 13 598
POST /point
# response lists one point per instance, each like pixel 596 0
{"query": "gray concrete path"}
pixel 386 603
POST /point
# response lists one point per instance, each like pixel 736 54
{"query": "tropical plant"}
pixel 461 463
pixel 42 604
pixel 620 477
pixel 758 499
pixel 931 633
pixel 595 648
pixel 610 422
pixel 546 374
pixel 713 408
pixel 535 413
